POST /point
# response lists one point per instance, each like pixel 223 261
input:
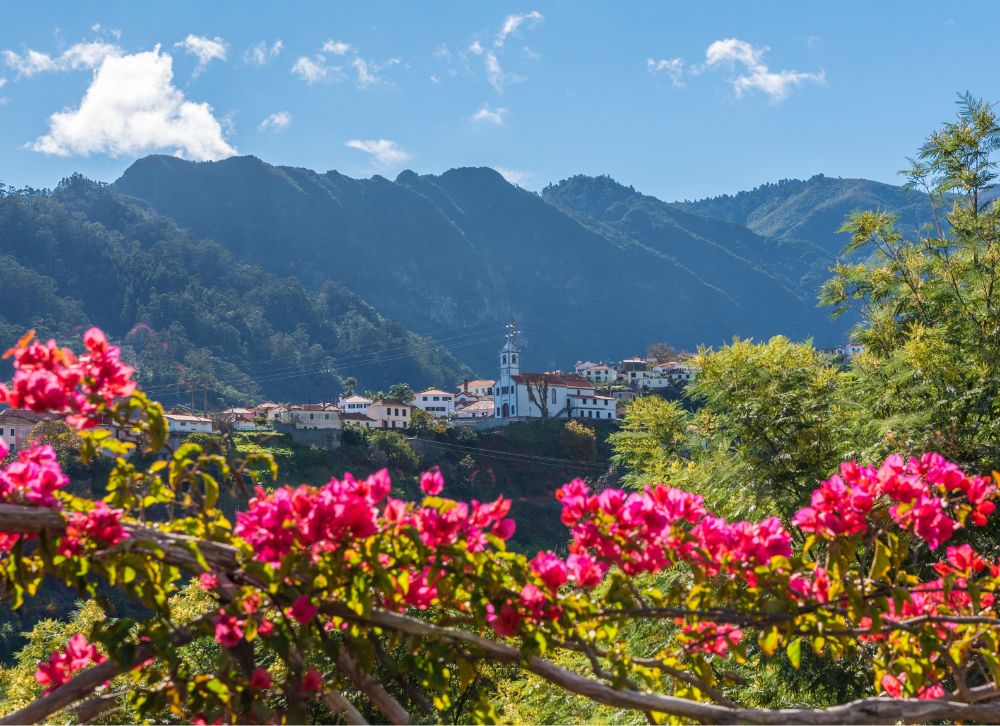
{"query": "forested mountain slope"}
pixel 813 209
pixel 466 247
pixel 189 313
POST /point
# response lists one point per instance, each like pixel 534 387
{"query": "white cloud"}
pixel 512 22
pixel 490 115
pixel 337 47
pixel 204 49
pixel 476 48
pixel 276 122
pixel 262 53
pixel 434 78
pixel 314 70
pixel 778 85
pixel 384 153
pixel 513 176
pixel 442 52
pixel 496 75
pixel 673 67
pixel 132 108
pixel 368 71
pixel 76 57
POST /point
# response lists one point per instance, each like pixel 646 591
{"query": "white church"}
pixel 519 395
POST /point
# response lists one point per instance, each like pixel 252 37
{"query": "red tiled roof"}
pixel 554 379
pixel 25 416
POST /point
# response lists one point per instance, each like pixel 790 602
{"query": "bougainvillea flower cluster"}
pixel 100 527
pixel 52 379
pixel 76 655
pixel 920 494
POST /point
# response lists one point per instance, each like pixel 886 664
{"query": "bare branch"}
pixel 867 711
pixel 336 702
pixel 88 681
pixel 389 706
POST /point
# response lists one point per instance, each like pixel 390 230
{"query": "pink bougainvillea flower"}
pixel 431 482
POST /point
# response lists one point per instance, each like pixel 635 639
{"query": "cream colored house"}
pixel 390 414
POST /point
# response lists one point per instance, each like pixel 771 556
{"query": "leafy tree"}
pixel 930 305
pixel 661 353
pixel 768 413
pixel 63 440
pixel 350 383
pixel 401 392
pixel 579 441
pixel 651 439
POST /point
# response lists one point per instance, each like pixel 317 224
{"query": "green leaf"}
pixel 794 651
pixel 768 641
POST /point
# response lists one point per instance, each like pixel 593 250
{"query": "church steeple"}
pixel 510 355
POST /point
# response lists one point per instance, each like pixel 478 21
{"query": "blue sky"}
pixel 678 100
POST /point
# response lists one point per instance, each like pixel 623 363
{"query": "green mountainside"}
pixel 188 313
pixel 467 248
pixel 814 209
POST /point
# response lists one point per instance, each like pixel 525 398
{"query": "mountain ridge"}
pixel 465 246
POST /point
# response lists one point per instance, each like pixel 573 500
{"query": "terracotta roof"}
pixel 390 402
pixel 434 392
pixel 485 405
pixel 356 417
pixel 356 399
pixel 21 415
pixel 480 382
pixel 554 379
pixel 187 417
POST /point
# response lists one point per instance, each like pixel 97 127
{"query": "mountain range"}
pixel 267 279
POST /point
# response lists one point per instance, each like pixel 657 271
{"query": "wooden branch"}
pixel 86 682
pixel 96 705
pixel 383 700
pixel 77 688
pixel 16 518
pixel 337 703
pixel 863 711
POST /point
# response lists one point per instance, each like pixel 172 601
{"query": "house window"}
pixel 513 358
pixel 504 360
pixel 553 395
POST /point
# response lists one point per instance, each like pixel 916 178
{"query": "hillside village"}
pixel 591 390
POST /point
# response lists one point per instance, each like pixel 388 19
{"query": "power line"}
pixel 514 456
pixel 286 373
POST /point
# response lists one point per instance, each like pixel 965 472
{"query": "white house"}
pixel 16 424
pixel 359 419
pixel 390 414
pixel 480 388
pixel 544 395
pixel 597 372
pixel 354 404
pixel 308 416
pixel 436 402
pixel 483 408
pixel 849 350
pixel 182 424
pixel 463 399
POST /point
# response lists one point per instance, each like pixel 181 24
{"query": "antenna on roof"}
pixel 512 332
